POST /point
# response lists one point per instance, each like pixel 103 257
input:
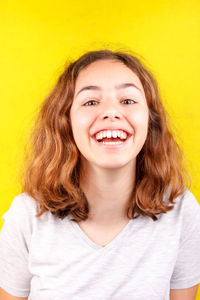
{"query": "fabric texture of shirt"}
pixel 48 258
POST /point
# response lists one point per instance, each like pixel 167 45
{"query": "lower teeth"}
pixel 112 143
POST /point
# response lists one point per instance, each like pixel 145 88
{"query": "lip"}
pixel 104 129
pixel 100 144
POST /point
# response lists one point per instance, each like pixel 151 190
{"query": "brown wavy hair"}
pixel 52 172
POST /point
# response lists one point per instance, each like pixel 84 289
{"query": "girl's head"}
pixel 124 95
pixel 109 96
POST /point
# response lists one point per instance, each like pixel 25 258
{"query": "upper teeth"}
pixel 108 133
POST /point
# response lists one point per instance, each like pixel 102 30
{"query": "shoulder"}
pixel 186 272
pixel 189 200
pixel 24 201
pixel 185 204
pixel 23 208
pixel 187 215
pixel 184 218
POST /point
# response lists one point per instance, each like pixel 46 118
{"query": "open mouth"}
pixel 111 142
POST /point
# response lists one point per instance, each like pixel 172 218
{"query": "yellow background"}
pixel 37 37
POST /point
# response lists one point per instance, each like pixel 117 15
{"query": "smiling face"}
pixel 108 95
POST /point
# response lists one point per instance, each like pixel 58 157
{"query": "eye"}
pixel 129 101
pixel 89 103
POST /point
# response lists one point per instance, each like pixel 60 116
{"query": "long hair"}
pixel 52 172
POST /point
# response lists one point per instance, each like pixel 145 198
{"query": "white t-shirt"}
pixel 47 258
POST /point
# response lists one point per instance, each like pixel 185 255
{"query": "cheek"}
pixel 140 119
pixel 80 123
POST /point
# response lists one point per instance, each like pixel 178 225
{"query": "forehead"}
pixel 106 72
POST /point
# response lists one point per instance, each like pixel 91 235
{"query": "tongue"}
pixel 111 139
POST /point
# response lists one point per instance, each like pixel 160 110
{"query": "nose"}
pixel 112 115
pixel 110 112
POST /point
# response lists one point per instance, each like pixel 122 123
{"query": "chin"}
pixel 113 165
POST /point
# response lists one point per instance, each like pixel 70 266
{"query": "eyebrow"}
pixel 98 88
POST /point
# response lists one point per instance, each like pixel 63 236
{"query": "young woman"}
pixel 104 212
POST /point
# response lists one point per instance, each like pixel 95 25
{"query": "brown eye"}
pixel 128 101
pixel 89 102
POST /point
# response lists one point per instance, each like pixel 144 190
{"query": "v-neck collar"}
pixel 92 244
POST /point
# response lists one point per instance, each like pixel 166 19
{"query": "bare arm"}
pixel 5 296
pixel 184 294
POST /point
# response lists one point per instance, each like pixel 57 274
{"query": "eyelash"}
pixel 97 101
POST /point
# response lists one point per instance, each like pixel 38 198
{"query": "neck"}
pixel 108 192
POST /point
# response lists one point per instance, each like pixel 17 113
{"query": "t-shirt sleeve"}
pixel 186 272
pixel 14 248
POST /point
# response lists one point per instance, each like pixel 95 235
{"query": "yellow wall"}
pixel 37 37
